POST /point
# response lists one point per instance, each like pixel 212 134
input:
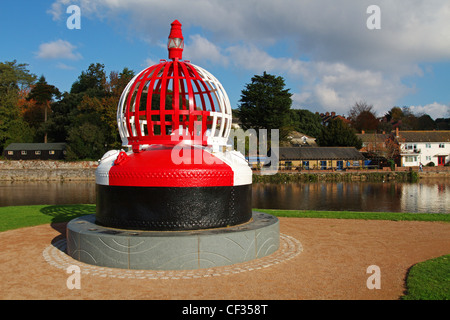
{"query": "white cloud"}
pixel 345 62
pixel 59 49
pixel 434 110
pixel 58 8
pixel 198 48
pixel 322 85
pixel 64 66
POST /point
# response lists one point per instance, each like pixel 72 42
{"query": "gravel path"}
pixel 318 259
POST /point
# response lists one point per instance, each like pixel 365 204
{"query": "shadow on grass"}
pixel 65 213
pixel 61 214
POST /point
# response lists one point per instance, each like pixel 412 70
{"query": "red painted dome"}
pixel 174 101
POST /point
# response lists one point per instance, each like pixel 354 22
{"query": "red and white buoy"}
pixel 180 173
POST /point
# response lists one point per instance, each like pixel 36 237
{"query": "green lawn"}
pixel 392 216
pixel 429 280
pixel 28 216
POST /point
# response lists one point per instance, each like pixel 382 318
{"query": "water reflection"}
pixel 33 193
pixel 426 196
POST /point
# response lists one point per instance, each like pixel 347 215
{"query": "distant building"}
pixel 423 147
pixel 35 151
pixel 373 142
pixel 298 139
pixel 327 117
pixel 320 158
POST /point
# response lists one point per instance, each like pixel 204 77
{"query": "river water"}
pixel 427 196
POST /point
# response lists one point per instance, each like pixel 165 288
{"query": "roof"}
pixel 373 137
pixel 424 136
pixel 35 146
pixel 320 153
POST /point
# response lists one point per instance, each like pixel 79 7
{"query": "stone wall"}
pixel 40 170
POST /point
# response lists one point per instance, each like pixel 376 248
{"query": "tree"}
pixel 306 122
pixel 43 93
pixel 266 104
pixel 14 80
pixel 92 81
pixel 363 117
pixel 86 118
pixel 338 134
pixel 425 122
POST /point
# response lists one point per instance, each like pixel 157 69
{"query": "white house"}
pixel 423 147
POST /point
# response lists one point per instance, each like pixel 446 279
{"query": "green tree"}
pixel 14 78
pixel 306 122
pixel 86 117
pixel 266 104
pixel 92 81
pixel 338 134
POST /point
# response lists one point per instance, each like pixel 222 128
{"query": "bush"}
pixel 430 164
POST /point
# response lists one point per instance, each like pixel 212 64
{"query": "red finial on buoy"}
pixel 176 41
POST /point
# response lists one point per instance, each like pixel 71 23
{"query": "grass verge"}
pixel 429 280
pixel 392 216
pixel 28 216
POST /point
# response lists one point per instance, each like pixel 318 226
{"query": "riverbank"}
pixel 38 170
pixel 354 176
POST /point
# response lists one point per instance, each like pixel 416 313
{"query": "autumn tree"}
pixel 14 79
pixel 42 94
pixel 363 117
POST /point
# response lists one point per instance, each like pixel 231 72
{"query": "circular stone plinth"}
pixel 172 250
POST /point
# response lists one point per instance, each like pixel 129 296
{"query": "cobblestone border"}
pixel 55 255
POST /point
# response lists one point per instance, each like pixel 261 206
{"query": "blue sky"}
pixel 323 49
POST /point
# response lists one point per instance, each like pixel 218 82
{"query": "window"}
pixel 10 153
pixel 38 153
pixel 410 159
pixel 24 153
pixel 323 165
pixel 356 163
pixel 428 145
pixel 428 158
pixel 52 152
pixel 306 164
pixel 441 145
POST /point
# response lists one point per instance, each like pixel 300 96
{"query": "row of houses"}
pixel 408 148
pixel 411 148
